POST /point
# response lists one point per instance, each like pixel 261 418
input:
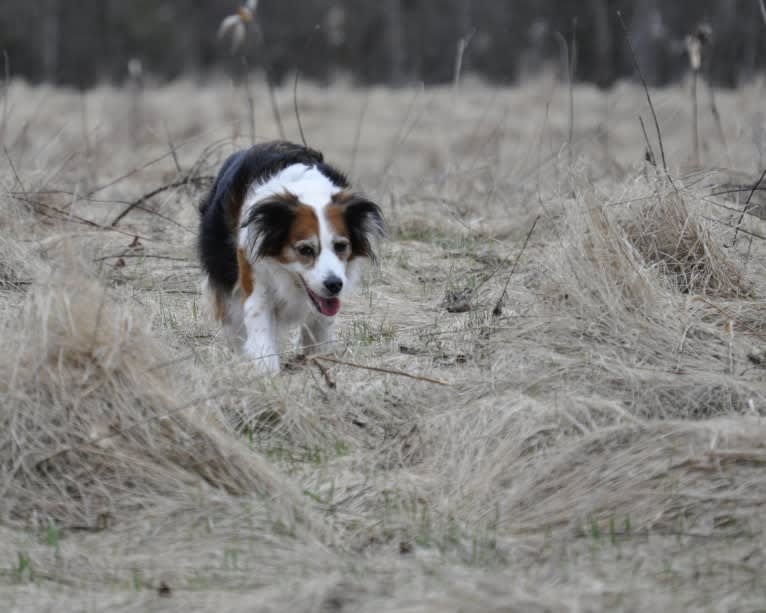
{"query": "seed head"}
pixel 236 25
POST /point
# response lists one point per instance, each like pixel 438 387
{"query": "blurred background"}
pixel 391 42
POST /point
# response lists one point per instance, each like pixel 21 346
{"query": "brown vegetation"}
pixel 599 444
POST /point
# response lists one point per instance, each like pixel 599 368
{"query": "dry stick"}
pixel 736 190
pixel 325 373
pixel 462 45
pixel 141 208
pixel 148 256
pixel 758 334
pixel 717 118
pixel 172 147
pixel 763 10
pixel 646 91
pixel 316 29
pixel 358 133
pixel 401 135
pixel 147 196
pixel 568 53
pixel 652 159
pixel 85 136
pixel 714 106
pixel 721 222
pixel 52 212
pixel 6 85
pixel 572 69
pixel 388 371
pixel 248 97
pixel 695 117
pixel 746 209
pixel 498 310
pixel 274 105
pixel 127 175
pixel 13 170
pixel 295 107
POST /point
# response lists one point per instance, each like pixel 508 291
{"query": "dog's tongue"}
pixel 328 306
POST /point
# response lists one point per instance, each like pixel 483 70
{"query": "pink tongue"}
pixel 328 306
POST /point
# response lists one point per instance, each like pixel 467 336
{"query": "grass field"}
pixel 593 440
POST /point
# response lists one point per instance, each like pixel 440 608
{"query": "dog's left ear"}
pixel 365 224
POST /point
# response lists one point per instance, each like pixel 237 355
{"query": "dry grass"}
pixel 600 445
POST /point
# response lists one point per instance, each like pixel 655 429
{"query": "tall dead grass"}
pixel 96 422
pixel 599 445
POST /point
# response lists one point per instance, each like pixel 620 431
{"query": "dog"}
pixel 282 239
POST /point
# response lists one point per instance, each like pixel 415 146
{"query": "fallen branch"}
pixel 646 91
pixel 149 195
pixel 325 373
pixel 498 310
pixel 747 205
pixel 46 210
pixel 388 371
pixel 732 317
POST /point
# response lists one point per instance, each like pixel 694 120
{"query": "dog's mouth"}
pixel 328 307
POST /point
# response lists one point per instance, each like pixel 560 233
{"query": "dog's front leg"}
pixel 261 342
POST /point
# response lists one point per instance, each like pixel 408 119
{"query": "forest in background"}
pixel 386 42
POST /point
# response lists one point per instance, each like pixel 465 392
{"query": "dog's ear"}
pixel 268 225
pixel 365 223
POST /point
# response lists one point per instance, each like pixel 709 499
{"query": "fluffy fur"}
pixel 282 240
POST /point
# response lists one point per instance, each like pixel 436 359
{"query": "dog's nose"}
pixel 333 285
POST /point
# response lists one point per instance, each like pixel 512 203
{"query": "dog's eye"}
pixel 307 251
pixel 340 247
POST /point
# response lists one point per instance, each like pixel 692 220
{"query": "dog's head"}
pixel 318 237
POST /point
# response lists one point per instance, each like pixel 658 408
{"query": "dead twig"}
pixel 46 210
pixel 746 209
pixel 13 170
pixel 274 105
pixel 248 98
pixel 569 57
pixel 388 371
pixel 148 256
pixel 358 133
pixel 650 157
pixel 646 91
pixel 172 147
pixel 498 310
pixel 325 373
pixel 317 28
pixel 149 195
pixel 732 226
pixel 730 317
pixel 6 85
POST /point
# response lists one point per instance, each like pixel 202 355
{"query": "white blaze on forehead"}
pixel 304 182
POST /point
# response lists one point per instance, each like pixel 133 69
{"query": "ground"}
pixel 548 396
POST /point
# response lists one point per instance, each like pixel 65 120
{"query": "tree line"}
pixel 392 42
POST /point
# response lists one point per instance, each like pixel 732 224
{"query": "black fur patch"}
pixel 270 221
pixel 220 209
pixel 364 221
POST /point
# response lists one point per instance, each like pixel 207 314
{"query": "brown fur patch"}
pixel 246 283
pixel 336 219
pixel 305 226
